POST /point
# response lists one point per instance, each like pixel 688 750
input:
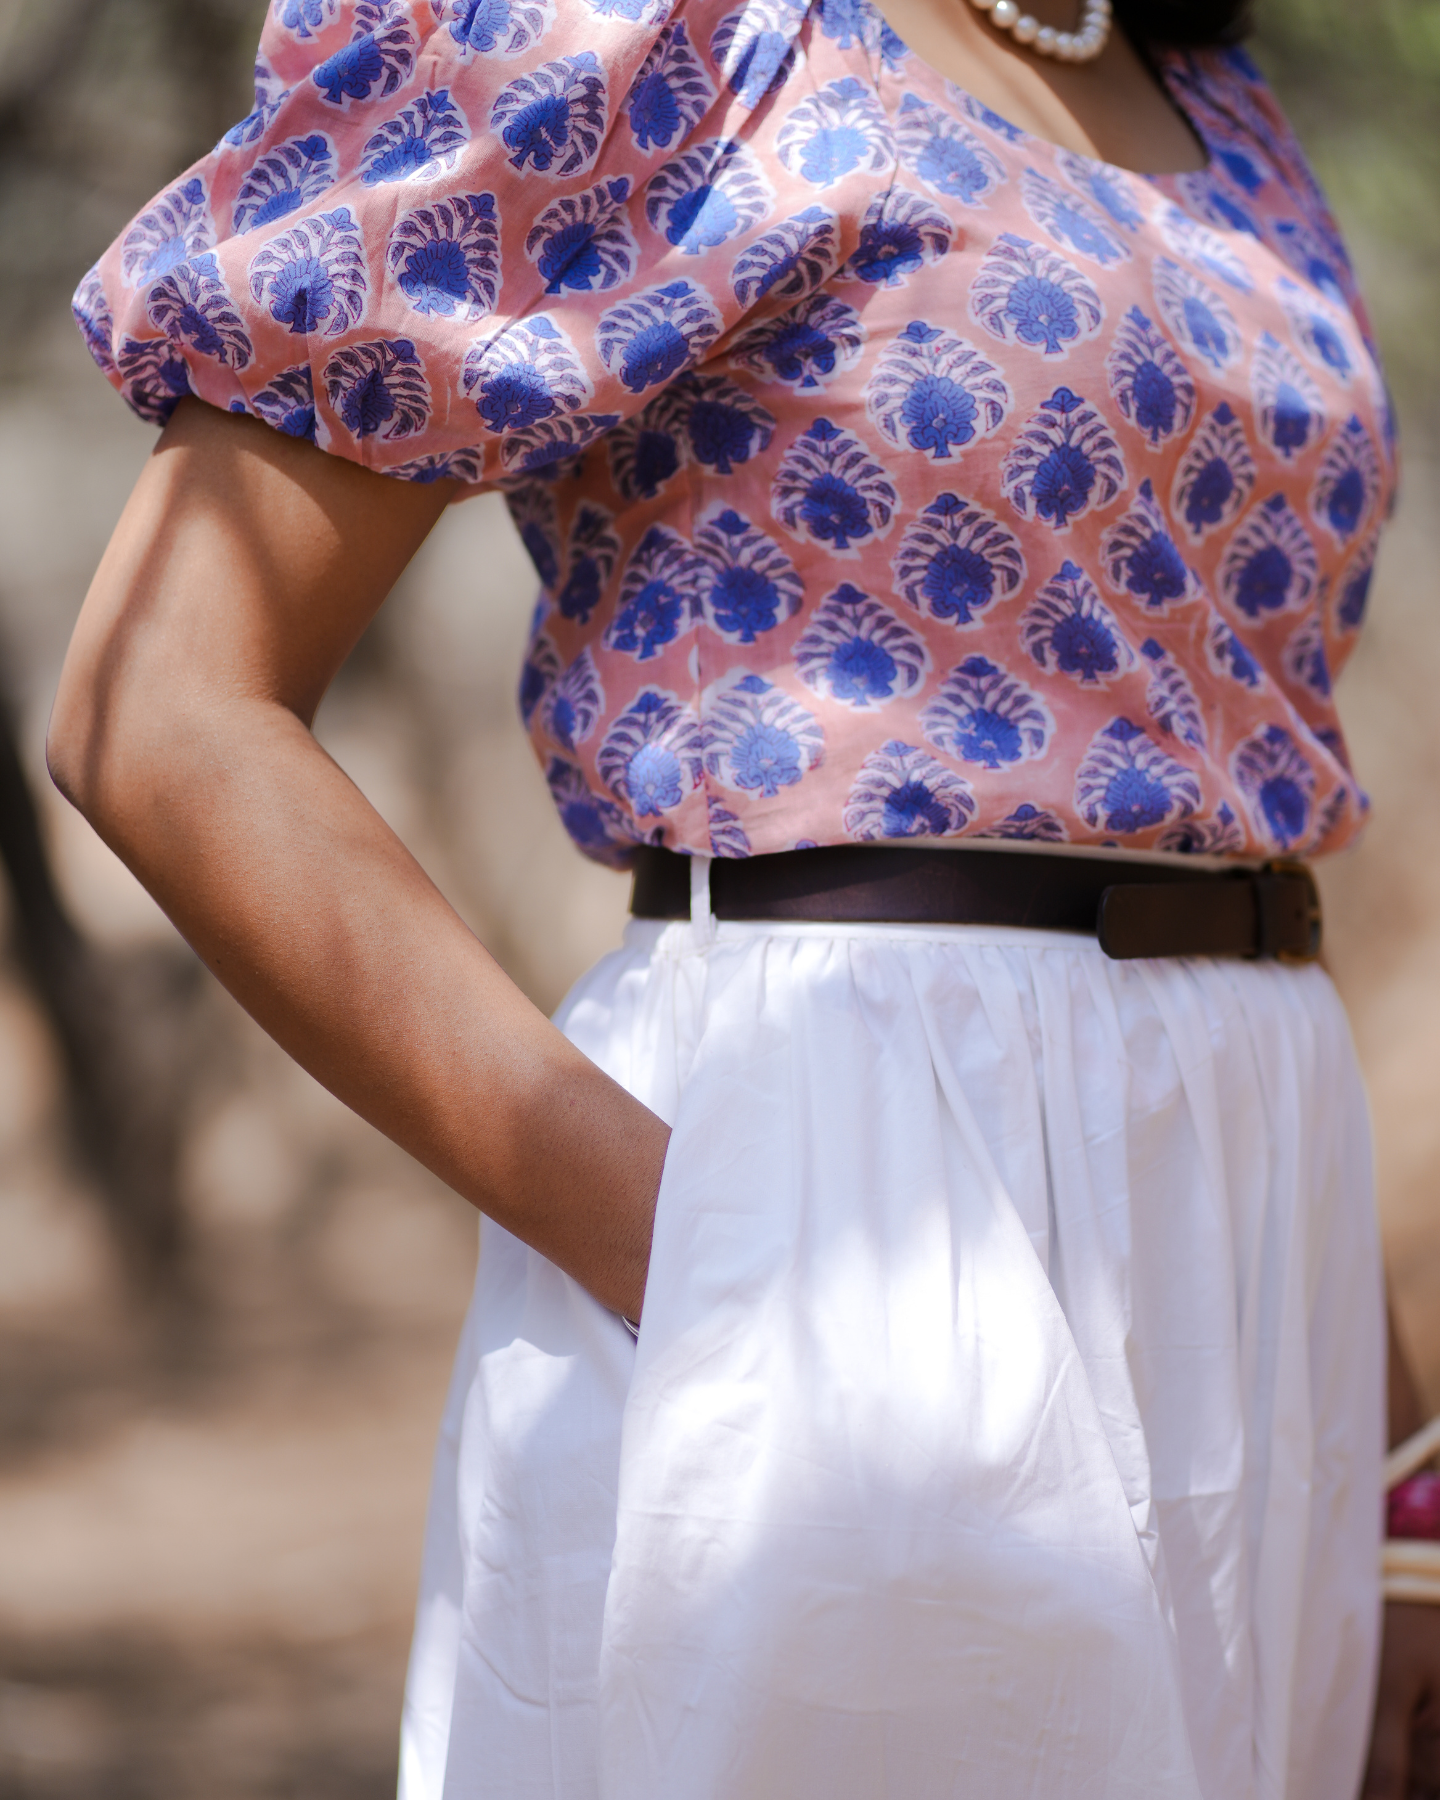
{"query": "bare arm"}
pixel 243 570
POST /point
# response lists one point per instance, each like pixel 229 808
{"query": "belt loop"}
pixel 702 920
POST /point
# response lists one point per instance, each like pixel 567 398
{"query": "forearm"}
pixel 313 914
pixel 181 730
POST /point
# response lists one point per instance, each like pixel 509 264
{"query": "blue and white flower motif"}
pixel 1352 591
pixel 283 180
pixel 901 232
pixel 1270 563
pixel 855 651
pixel 446 258
pixel 1139 556
pixel 1072 221
pixel 758 739
pixel 805 347
pixel 1332 813
pixel 1106 185
pixel 1318 329
pixel 639 12
pixel 838 130
pixel 379 389
pixel 596 824
pixel 155 375
pixel 1151 385
pixel 946 155
pixel 382 50
pixel 584 241
pixel 553 118
pixel 1278 784
pixel 466 464
pixel 1226 655
pixel 424 139
pixel 647 449
pixel 1288 405
pixel 1063 464
pixel 789 261
pixel 1126 782
pixel 1304 659
pixel 268 98
pixel 659 595
pixel 707 194
pixel 727 834
pixel 750 585
pixel 672 92
pixel 1332 740
pixel 852 23
pixel 1248 171
pixel 1220 836
pixel 538 674
pixel 1170 697
pixel 1069 630
pixel 177 227
pixel 830 491
pixel 1321 262
pixel 724 425
pixel 287 402
pixel 1209 250
pixel 653 335
pixel 1215 476
pixel 1026 294
pixel 192 305
pixel 1197 315
pixel 901 792
pixel 1348 483
pixel 982 115
pixel 91 311
pixel 984 714
pixel 503 28
pixel 934 392
pixel 594 548
pixel 314 276
pixel 1207 199
pixel 652 754
pixel 554 446
pixel 575 702
pixel 532 511
pixel 526 373
pixel 305 18
pixel 754 48
pixel 1032 824
pixel 955 560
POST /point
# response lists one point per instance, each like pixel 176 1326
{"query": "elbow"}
pixel 69 741
pixel 92 743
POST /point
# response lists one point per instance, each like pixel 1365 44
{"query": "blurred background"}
pixel 227 1307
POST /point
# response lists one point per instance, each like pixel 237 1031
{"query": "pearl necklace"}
pixel 1080 46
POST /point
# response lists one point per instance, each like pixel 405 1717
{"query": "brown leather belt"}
pixel 1134 908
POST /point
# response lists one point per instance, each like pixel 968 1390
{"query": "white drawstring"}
pixel 701 918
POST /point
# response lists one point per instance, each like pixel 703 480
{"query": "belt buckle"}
pixel 1289 865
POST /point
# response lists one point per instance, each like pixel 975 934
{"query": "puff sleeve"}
pixel 453 238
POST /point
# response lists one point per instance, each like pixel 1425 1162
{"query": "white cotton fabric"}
pixel 1006 1418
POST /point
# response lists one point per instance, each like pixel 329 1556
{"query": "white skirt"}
pixel 1007 1415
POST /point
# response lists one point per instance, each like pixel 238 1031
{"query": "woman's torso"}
pixel 890 472
pixel 1042 506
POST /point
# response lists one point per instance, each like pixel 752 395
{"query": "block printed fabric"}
pixel 889 472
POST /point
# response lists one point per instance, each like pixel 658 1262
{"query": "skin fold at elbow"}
pixel 117 727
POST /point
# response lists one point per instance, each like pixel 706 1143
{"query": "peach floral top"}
pixel 889 472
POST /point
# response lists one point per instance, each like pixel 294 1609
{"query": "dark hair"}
pixel 1184 22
